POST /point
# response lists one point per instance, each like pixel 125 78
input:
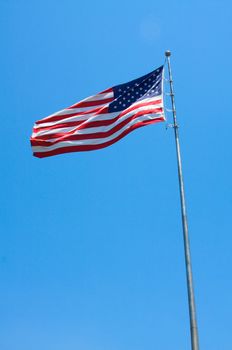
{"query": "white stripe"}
pixel 99 140
pixel 99 128
pixel 98 97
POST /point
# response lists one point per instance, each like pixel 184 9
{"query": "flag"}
pixel 100 120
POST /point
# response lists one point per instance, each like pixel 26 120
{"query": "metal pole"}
pixel 192 308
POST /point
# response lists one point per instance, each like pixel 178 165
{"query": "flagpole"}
pixel 191 298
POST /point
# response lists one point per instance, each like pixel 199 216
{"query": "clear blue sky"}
pixel 91 249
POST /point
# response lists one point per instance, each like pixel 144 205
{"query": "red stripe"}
pixel 142 104
pixel 107 90
pixel 92 103
pixel 94 147
pixel 69 137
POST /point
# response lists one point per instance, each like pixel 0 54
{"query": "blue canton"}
pixel 147 86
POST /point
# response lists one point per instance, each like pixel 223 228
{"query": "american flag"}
pixel 100 120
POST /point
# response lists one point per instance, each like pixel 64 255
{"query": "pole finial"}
pixel 167 53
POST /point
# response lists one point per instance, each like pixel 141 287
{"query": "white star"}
pixel 124 105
